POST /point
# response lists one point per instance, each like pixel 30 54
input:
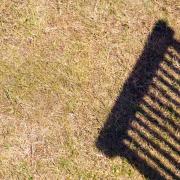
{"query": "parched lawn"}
pixel 62 65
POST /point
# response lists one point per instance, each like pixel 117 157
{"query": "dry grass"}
pixel 62 64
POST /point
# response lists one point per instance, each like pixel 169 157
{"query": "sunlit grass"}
pixel 62 64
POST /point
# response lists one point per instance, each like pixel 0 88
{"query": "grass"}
pixel 62 65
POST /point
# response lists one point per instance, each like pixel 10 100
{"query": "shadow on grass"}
pixel 136 129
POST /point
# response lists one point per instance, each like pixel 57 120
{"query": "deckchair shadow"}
pixel 114 139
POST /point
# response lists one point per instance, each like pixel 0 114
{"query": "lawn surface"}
pixel 62 65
